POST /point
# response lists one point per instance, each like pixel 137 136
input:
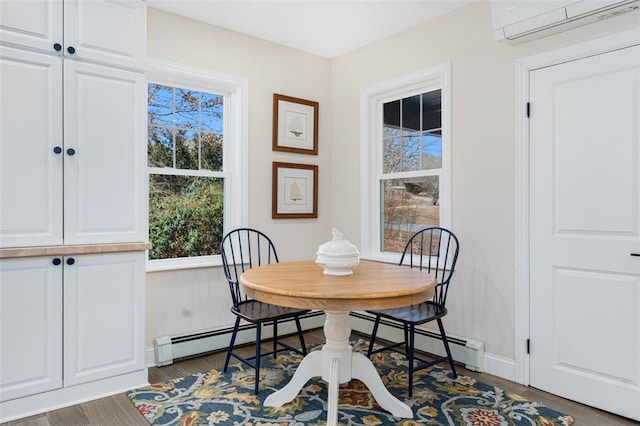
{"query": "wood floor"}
pixel 119 411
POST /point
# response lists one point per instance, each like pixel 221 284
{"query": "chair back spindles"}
pixel 241 250
pixel 434 250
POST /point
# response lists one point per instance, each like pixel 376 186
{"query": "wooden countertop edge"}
pixel 15 252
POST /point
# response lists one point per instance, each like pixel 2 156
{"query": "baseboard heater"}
pixel 169 349
pixel 467 352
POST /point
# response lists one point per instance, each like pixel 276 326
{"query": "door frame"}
pixel 523 67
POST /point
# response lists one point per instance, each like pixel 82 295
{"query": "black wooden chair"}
pixel 434 250
pixel 243 249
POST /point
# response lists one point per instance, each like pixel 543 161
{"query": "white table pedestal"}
pixel 338 364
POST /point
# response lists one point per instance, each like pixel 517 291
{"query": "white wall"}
pixel 481 304
pixel 483 163
pixel 182 302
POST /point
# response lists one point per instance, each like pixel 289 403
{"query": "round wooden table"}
pixel 372 285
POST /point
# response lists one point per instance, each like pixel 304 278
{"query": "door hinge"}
pixel 528 346
pixel 528 110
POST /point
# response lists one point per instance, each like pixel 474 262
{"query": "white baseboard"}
pixel 500 366
pixel 73 395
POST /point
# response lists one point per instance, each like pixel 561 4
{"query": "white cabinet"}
pixel 103 316
pixel 99 158
pixel 30 326
pixel 30 130
pixel 84 181
pixel 105 181
pixel 96 307
pixel 35 24
pixel 108 31
pixel 73 191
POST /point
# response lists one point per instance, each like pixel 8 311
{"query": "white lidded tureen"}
pixel 338 256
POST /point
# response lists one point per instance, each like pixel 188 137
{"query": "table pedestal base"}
pixel 338 364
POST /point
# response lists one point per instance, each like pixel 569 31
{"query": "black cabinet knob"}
pixel 71 261
pixel 71 151
pixel 57 261
pixel 57 150
pixel 57 47
pixel 71 50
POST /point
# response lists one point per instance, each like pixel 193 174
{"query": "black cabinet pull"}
pixel 635 254
pixel 57 47
pixel 71 261
pixel 57 150
pixel 57 261
pixel 71 151
pixel 71 50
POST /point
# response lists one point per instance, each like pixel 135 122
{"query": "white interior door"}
pixel 584 230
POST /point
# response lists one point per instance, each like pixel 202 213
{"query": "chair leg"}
pixel 373 335
pixel 257 359
pixel 301 337
pixel 275 338
pixel 231 343
pixel 410 354
pixel 406 338
pixel 446 348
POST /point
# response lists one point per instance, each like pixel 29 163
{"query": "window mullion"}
pixel 421 132
pixel 199 129
pixel 185 172
pixel 410 174
pixel 401 124
pixel 173 126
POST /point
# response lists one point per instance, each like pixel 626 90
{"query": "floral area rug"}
pixel 216 398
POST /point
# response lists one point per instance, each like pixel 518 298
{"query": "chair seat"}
pixel 255 311
pixel 414 314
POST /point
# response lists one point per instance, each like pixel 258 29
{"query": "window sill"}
pixel 183 263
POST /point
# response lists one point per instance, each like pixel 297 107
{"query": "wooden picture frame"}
pixel 295 125
pixel 294 191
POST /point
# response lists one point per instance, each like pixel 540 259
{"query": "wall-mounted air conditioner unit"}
pixel 517 21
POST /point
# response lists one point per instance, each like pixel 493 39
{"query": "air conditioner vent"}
pixel 517 21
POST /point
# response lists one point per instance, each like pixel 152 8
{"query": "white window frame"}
pixel 235 148
pixel 372 99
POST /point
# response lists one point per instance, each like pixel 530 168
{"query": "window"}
pixel 196 157
pixel 406 160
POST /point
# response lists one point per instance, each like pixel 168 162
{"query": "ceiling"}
pixel 325 28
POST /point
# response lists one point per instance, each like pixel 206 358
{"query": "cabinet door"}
pixel 31 326
pixel 35 23
pixel 30 137
pixel 104 313
pixel 108 31
pixel 105 183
